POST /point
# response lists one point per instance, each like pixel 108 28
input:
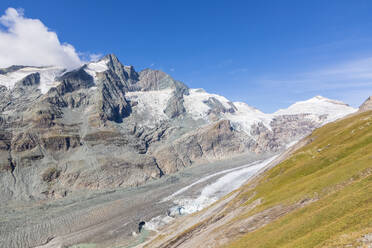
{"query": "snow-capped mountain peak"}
pixel 318 105
pixel 197 103
pixel 325 99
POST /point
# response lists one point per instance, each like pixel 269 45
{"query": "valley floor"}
pixel 110 218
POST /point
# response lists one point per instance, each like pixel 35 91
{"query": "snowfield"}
pixel 195 102
pixel 150 104
pixel 319 109
pixel 318 106
pixel 96 67
pixel 47 77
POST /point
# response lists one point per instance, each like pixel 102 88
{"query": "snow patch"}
pixel 150 105
pixel 245 116
pixel 242 118
pixel 47 77
pixel 95 67
pixel 195 106
pixel 318 106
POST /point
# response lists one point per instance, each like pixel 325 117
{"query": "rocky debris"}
pixel 5 156
pixel 51 174
pixel 367 105
pixel 366 239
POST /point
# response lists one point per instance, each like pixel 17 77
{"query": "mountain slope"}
pixel 320 196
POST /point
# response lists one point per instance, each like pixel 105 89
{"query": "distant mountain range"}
pixel 105 125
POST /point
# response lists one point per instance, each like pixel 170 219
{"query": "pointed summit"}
pixel 112 61
pixel 367 105
pixel 125 73
pixel 111 58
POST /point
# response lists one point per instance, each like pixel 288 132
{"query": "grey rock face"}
pixel 116 128
pixel 216 106
pixel 126 74
pixel 367 105
pixel 29 80
pixel 284 129
pixel 175 106
pixel 214 141
pixel 158 80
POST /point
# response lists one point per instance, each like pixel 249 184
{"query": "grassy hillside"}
pixel 325 188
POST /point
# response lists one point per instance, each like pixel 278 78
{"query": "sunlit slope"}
pixel 324 192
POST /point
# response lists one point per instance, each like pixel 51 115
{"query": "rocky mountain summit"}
pixel 105 125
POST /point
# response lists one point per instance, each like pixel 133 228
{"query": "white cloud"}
pixel 359 69
pixel 25 41
pixel 349 81
pixel 95 56
pixel 354 73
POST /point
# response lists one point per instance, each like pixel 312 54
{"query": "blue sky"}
pixel 266 53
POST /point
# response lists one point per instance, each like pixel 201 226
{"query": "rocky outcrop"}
pixel 175 106
pixel 5 156
pixel 284 130
pixel 158 80
pixel 112 104
pixel 216 107
pixel 367 105
pixel 29 80
pixel 215 141
pixel 126 74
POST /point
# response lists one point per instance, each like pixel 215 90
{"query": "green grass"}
pixel 335 169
